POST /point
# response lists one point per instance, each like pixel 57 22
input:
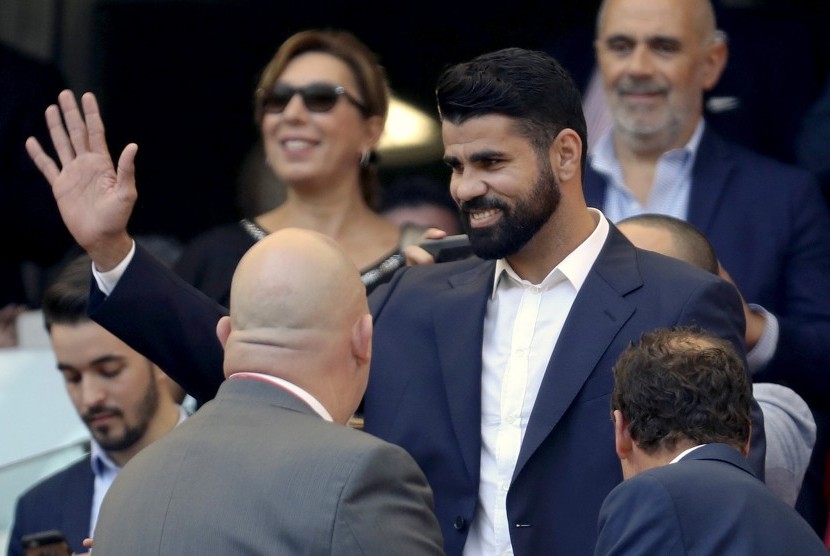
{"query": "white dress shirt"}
pixel 521 327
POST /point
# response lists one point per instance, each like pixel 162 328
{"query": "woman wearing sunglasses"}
pixel 321 105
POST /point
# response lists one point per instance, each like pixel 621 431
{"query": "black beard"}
pixel 132 434
pixel 518 223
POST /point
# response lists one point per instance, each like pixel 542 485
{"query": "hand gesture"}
pixel 417 255
pixel 94 198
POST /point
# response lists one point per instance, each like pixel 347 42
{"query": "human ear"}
pixel 714 61
pixel 622 438
pixel 362 339
pixel 374 129
pixel 223 330
pixel 566 155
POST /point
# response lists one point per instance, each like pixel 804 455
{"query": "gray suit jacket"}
pixel 256 471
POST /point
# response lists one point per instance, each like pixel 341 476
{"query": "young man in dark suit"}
pixel 681 410
pixel 125 401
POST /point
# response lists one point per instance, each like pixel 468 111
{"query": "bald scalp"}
pixel 702 15
pixel 686 242
pixel 295 280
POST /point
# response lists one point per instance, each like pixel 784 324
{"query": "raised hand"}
pixel 94 198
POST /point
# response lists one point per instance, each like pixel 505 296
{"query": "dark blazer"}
pixel 770 228
pixel 62 501
pixel 257 471
pixel 707 503
pixel 425 384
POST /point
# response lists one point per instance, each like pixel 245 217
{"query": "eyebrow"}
pixel 486 155
pixel 98 361
pixel 649 39
pixel 475 157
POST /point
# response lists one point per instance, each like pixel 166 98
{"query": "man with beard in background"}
pixel 125 401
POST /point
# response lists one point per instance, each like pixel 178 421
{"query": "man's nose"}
pixel 92 391
pixel 640 62
pixel 467 185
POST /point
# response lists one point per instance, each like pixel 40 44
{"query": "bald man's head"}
pixel 657 58
pixel 295 279
pixel 699 13
pixel 671 237
pixel 298 311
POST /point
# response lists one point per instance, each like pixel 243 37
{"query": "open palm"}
pixel 95 198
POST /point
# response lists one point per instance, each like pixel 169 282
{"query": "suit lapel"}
pixel 598 313
pixel 459 325
pixel 710 174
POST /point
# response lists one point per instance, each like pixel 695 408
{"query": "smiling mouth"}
pixel 483 217
pixel 297 144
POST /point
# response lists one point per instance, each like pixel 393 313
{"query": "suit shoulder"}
pixel 765 168
pixel 53 485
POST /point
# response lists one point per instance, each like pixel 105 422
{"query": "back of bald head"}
pixel 295 280
pixel 686 243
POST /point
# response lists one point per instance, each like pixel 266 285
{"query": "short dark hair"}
pixel 682 384
pixel 528 85
pixel 690 244
pixel 66 299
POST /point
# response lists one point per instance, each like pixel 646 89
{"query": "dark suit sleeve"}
pixel 166 320
pixel 386 508
pixel 638 517
pixel 17 532
pixel 802 356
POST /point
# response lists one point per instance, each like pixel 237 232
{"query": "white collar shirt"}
pixel 310 400
pixel 521 326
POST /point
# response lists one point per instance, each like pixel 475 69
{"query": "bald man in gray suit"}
pixel 261 469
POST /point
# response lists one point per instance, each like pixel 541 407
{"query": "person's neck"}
pixel 332 213
pixel 166 418
pixel 640 460
pixel 566 229
pixel 638 156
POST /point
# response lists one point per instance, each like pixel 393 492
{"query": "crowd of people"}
pixel 671 280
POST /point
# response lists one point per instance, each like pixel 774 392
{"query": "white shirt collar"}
pixel 574 267
pixel 683 454
pixel 291 387
pixel 604 157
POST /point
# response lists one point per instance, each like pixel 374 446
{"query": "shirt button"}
pixel 505 487
pixel 459 523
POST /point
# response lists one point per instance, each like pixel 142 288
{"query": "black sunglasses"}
pixel 317 97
